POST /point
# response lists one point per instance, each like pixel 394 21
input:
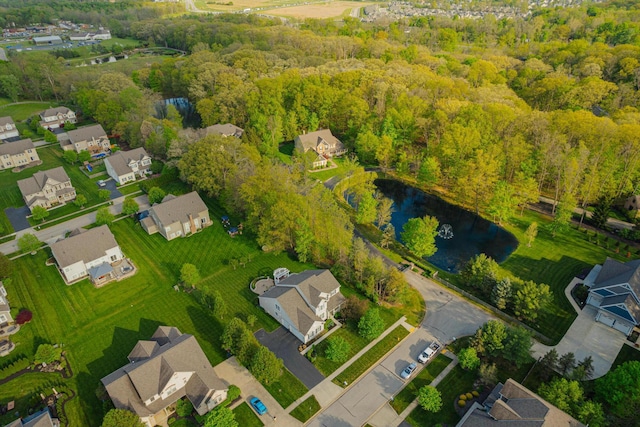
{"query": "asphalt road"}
pixel 448 316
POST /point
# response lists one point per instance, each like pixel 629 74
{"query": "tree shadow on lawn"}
pixel 204 322
pixel 114 357
pixel 540 270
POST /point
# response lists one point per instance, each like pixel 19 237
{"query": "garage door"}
pixel 622 327
pixel 603 318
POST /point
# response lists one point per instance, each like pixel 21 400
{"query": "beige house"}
pixel 18 153
pixel 54 118
pixel 225 130
pixel 85 253
pixel 169 366
pixel 8 129
pixel 90 138
pixel 632 204
pixel 124 166
pixel 47 188
pixel 321 142
pixel 5 310
pixel 512 404
pixel 177 216
pixel 302 302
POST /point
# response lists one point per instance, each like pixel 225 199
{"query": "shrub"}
pixel 233 393
pixel 462 403
pixel 463 397
pixel 469 396
pixel 475 393
pixel 184 408
pixel 23 317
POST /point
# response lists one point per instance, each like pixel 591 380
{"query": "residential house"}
pixel 614 288
pixel 102 34
pixel 124 166
pixel 47 188
pixel 18 153
pixel 169 366
pixel 39 419
pixel 92 253
pixel 632 204
pixel 92 138
pixel 177 216
pixel 225 130
pixel 8 129
pixel 80 36
pixel 512 404
pixel 54 118
pixel 323 143
pixel 302 302
pixel 5 310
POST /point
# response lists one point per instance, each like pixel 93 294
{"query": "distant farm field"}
pixel 320 10
pixel 293 9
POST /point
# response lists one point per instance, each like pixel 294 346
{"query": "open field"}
pixel 224 6
pixel 23 111
pixel 99 327
pixel 331 9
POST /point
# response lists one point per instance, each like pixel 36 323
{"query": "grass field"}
pixel 332 9
pixel 428 374
pixel 99 327
pixel 20 112
pixel 287 389
pixel 457 382
pixel 306 409
pixel 245 416
pixel 374 354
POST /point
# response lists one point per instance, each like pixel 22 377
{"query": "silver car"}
pixel 408 371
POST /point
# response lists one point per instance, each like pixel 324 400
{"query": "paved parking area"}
pixel 586 337
pixel 285 346
pixel 18 217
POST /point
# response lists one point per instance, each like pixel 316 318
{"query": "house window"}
pixel 277 307
pixel 3 318
pixel 113 258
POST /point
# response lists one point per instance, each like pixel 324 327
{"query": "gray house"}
pixel 225 130
pixel 125 166
pixel 614 288
pixel 177 216
pixel 321 142
pixel 169 366
pixel 302 302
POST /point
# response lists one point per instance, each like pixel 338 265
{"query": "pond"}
pixel 467 236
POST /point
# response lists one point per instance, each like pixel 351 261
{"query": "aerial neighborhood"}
pixel 329 214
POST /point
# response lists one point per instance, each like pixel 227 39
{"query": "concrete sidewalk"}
pixel 387 416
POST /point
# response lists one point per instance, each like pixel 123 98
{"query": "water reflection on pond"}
pixel 468 235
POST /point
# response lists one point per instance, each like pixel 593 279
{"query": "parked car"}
pixel 429 352
pixel 258 406
pixel 101 183
pixel 408 371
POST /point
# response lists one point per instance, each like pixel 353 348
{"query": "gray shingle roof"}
pixel 136 382
pixel 50 112
pixel 120 160
pixel 310 140
pixel 311 283
pixel 615 273
pixel 86 133
pixel 17 147
pixel 6 120
pixel 39 419
pixel 87 246
pixel 294 305
pixel 225 130
pixel 37 181
pixel 177 209
pixel 143 350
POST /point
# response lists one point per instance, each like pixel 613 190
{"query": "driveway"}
pixel 448 316
pixel 586 337
pixel 111 186
pixel 285 346
pixel 18 217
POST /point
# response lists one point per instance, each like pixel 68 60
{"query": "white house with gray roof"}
pixel 177 216
pixel 18 153
pixel 87 253
pixel 54 118
pixel 47 188
pixel 169 366
pixel 614 288
pixel 8 129
pixel 302 302
pixel 89 138
pixel 125 166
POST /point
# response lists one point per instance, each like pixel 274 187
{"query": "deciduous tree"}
pixel 104 216
pixel 29 243
pixel 70 156
pixel 80 200
pixel 419 235
pixel 39 213
pixel 371 324
pixel 156 194
pixel 531 233
pixel 430 399
pixel 337 349
pixel 265 366
pixel 221 417
pixel 130 206
pixel 529 298
pixel 189 274
pixel 468 359
pixel 121 418
pixel 388 236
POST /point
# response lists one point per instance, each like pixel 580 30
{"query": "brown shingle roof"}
pixel 36 183
pixel 87 246
pixel 16 147
pixel 6 120
pixel 86 133
pixel 225 130
pixel 177 209
pixel 310 140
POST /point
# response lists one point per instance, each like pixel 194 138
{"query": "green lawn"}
pixel 457 382
pixel 627 354
pixel 410 392
pixel 245 416
pixel 374 354
pixel 287 389
pixel 325 174
pixel 306 409
pixel 99 327
pixel 20 112
pixel 26 393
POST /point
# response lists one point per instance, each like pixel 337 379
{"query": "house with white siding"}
pixel 126 166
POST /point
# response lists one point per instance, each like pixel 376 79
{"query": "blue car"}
pixel 258 406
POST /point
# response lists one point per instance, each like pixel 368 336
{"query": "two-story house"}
pixel 124 166
pixel 47 188
pixel 302 302
pixel 8 129
pixel 90 138
pixel 169 366
pixel 5 310
pixel 177 216
pixel 321 142
pixel 54 118
pixel 87 253
pixel 18 153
